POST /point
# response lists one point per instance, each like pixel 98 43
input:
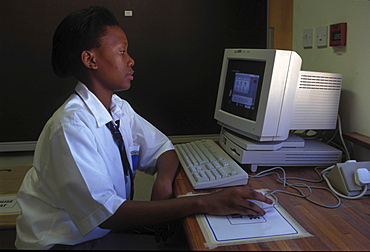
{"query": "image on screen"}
pixel 243 87
pixel 245 90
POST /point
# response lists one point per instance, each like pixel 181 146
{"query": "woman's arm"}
pixel 167 167
pixel 227 201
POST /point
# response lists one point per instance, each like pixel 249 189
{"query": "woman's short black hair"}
pixel 79 31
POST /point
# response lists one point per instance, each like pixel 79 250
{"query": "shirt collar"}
pixel 97 109
pixel 115 108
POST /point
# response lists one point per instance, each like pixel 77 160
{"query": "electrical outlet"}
pixel 342 177
pixel 307 38
pixel 322 36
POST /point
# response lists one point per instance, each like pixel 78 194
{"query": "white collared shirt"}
pixel 77 179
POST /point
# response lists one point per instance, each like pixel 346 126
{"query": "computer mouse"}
pixel 266 207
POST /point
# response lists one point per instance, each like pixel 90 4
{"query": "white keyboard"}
pixel 208 166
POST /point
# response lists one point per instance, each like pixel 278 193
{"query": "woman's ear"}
pixel 88 59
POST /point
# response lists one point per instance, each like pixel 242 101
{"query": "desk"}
pixel 10 181
pixel 343 228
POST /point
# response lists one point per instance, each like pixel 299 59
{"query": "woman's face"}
pixel 114 64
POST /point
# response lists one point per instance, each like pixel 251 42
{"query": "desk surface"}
pixel 344 228
pixel 10 181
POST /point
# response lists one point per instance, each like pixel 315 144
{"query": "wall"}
pixel 352 61
pixel 177 45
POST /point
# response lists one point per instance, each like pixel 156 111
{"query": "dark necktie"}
pixel 114 128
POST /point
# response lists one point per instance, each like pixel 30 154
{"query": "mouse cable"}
pixel 283 180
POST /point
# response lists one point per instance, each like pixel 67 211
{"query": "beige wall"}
pixel 353 61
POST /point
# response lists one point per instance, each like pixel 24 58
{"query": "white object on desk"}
pixel 263 205
pixel 8 204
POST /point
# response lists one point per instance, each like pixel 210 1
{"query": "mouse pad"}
pixel 276 224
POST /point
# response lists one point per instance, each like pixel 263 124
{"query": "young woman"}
pixel 79 189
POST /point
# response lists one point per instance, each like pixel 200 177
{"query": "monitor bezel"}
pixel 275 108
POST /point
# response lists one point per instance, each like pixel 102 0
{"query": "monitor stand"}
pixel 295 151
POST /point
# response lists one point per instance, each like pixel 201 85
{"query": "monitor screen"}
pixel 242 89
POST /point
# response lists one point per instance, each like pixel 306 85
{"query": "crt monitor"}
pixel 257 91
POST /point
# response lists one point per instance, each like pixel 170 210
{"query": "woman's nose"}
pixel 131 62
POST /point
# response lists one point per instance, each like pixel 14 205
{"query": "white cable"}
pixel 295 186
pixel 341 137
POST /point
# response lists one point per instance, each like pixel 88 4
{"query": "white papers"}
pixel 8 204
